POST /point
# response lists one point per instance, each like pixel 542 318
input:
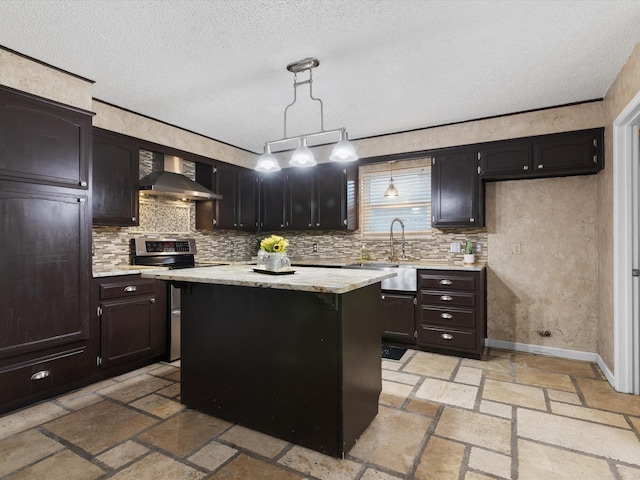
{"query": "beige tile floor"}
pixel 509 416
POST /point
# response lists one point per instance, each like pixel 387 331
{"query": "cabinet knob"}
pixel 130 288
pixel 282 225
pixel 540 166
pixel 382 297
pixel 446 316
pixel 83 183
pixel 133 219
pixel 445 282
pixel 595 159
pixel 317 224
pixel 152 300
pixel 40 375
pixel 446 298
pixel 446 336
pixel 526 167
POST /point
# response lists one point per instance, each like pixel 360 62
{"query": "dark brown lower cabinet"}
pixel 452 311
pixel 133 320
pixel 398 317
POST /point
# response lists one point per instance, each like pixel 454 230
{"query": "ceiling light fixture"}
pixel 391 191
pixel 343 151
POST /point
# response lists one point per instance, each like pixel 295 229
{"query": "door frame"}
pixel 626 324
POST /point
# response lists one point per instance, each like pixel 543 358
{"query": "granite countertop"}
pixel 308 279
pixel 124 269
pixel 418 264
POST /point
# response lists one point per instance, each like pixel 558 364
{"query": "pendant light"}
pixel 391 191
pixel 343 150
pixel 303 156
pixel 268 161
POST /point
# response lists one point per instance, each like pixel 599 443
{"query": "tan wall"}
pixel 28 76
pixel 127 123
pixel 622 91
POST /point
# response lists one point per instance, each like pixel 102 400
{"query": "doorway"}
pixel 626 231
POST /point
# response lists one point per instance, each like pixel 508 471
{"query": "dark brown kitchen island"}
pixel 295 356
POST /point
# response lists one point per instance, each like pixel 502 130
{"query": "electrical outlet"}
pixel 478 247
pixel 455 247
pixel 515 249
pixel 231 247
pixel 315 248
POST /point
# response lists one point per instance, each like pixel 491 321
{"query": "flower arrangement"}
pixel 274 244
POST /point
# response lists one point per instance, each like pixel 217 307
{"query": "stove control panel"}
pixel 145 246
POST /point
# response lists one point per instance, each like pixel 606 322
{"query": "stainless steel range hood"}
pixel 167 180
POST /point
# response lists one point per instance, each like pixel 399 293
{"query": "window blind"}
pixel 412 205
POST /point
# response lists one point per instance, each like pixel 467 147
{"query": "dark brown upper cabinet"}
pixel 43 142
pixel 238 208
pixel 323 197
pixel 116 161
pixel 506 159
pixel 558 154
pixel 273 196
pixel 456 192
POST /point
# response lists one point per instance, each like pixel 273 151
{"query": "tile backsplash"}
pixel 167 218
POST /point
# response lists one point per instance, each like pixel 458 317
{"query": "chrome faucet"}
pixel 391 238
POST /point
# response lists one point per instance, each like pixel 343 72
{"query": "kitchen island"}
pixel 294 356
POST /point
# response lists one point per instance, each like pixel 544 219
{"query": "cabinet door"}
pixel 398 317
pixel 127 329
pixel 43 142
pixel 301 194
pixel 272 195
pixel 44 253
pixel 569 153
pixel 115 180
pixel 456 190
pixel 331 186
pixel 248 190
pixel 226 183
pixel 505 160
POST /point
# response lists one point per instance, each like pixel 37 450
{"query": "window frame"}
pixel 398 166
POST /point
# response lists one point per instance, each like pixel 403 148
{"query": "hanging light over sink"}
pixel 391 191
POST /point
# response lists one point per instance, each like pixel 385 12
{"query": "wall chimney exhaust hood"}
pixel 167 180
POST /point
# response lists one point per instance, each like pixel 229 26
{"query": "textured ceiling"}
pixel 217 67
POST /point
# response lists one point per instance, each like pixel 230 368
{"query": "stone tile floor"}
pixel 509 416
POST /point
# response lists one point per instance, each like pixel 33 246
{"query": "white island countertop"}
pixel 306 279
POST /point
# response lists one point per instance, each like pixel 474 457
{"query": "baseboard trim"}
pixel 542 350
pixel 607 373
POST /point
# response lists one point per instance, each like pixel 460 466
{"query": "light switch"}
pixel 515 249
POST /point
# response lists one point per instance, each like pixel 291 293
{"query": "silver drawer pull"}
pixel 445 282
pixel 446 316
pixel 40 375
pixel 130 288
pixel 446 298
pixel 446 336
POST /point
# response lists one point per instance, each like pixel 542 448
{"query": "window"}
pixel 412 178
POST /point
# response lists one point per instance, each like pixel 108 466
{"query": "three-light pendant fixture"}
pixel 343 150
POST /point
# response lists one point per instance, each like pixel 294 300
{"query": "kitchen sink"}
pixel 406 279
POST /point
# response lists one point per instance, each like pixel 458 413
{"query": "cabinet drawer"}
pixel 446 337
pixel 135 286
pixel 40 374
pixel 463 299
pixel 451 317
pixel 435 280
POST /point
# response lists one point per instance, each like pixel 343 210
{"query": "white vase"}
pixel 273 261
pixel 469 258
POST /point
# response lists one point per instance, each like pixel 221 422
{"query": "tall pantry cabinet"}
pixel 45 245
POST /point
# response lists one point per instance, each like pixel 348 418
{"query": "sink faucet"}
pixel 391 238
